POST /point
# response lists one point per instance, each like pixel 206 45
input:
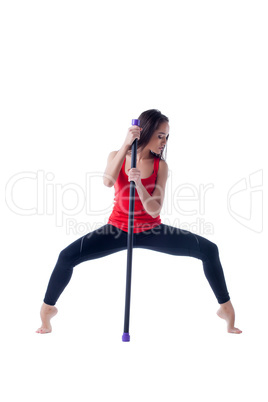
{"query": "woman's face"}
pixel 159 138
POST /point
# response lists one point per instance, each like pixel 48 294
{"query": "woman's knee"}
pixel 68 255
pixel 209 249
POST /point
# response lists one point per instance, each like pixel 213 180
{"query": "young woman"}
pixel 150 178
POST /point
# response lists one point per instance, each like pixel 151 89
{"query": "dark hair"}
pixel 150 120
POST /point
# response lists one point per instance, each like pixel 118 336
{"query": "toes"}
pixel 235 331
pixel 238 331
pixel 43 331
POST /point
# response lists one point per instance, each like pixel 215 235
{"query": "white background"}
pixel 73 75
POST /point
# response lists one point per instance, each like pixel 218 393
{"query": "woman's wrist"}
pixel 125 147
pixel 139 186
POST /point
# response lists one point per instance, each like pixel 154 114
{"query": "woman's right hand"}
pixel 133 133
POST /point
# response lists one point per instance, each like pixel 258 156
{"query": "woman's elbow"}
pixel 154 210
pixel 155 214
pixel 107 182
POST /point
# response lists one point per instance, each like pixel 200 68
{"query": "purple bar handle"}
pixel 136 122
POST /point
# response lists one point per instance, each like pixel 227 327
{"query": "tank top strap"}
pixel 156 165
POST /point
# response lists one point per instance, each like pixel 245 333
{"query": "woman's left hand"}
pixel 134 174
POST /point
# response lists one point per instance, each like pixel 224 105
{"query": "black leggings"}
pixel 109 239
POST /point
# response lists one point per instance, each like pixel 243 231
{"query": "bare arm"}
pixel 116 158
pixel 114 163
pixel 152 203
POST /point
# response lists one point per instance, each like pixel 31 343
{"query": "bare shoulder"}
pixel 162 176
pixel 112 155
pixel 163 167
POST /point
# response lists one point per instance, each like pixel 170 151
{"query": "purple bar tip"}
pixel 136 122
pixel 126 337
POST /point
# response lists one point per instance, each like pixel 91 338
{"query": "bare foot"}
pixel 226 312
pixel 46 313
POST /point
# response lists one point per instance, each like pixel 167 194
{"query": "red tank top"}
pixel 119 216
